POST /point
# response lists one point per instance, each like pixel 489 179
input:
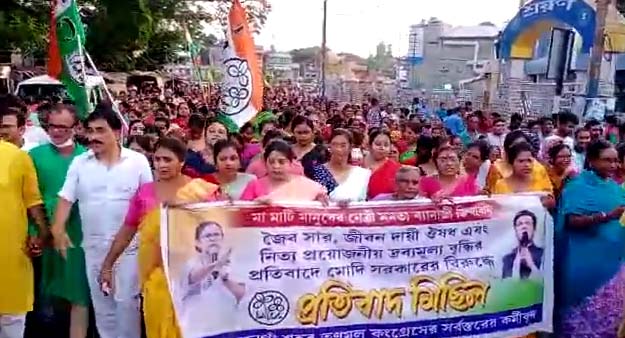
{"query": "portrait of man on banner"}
pixel 525 260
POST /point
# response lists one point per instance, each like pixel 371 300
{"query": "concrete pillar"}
pixel 517 68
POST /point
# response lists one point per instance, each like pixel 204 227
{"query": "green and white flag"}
pixel 70 51
pixel 194 54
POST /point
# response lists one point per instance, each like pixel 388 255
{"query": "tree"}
pixel 154 29
pixel 620 5
pixel 304 55
pixel 23 26
pixel 383 58
pixel 123 34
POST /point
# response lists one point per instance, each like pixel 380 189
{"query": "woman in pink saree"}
pixel 280 184
pixel 258 167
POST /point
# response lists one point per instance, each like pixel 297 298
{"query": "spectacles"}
pixel 59 127
pixel 448 159
pixel 405 181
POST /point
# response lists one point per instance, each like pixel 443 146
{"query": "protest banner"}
pixel 476 267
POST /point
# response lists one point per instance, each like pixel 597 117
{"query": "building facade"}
pixel 449 54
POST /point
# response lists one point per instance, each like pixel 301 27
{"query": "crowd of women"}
pixel 283 158
pixel 319 152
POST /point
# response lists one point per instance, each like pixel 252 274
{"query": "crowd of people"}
pixel 81 214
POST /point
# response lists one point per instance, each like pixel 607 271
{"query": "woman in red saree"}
pixel 448 182
pixel 383 169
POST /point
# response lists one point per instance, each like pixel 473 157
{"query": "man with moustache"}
pixel 102 181
pixel 582 139
pixel 13 124
pixel 19 198
pixel 62 278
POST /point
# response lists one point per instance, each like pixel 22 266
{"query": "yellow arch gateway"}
pixel 539 16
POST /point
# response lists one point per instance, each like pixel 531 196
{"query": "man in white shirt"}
pixel 102 181
pixel 498 135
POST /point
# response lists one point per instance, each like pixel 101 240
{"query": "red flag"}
pixel 55 66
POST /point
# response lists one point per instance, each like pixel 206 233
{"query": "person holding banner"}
pixel 383 169
pixel 280 184
pixel 448 182
pixel 406 186
pixel 590 249
pixel 143 216
pixel 344 182
pixel 228 163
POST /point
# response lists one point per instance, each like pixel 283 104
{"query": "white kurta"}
pixel 103 195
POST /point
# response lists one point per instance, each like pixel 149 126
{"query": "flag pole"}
pixel 106 90
pixel 324 49
pixel 81 54
pixel 194 67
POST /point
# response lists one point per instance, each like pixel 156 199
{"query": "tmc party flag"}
pixel 68 50
pixel 243 78
pixel 193 48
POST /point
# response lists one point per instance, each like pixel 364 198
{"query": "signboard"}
pixel 538 16
pixel 476 267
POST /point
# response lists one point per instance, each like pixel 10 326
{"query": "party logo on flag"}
pixel 243 83
pixel 66 54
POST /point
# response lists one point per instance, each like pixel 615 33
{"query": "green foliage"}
pixel 117 30
pixel 383 58
pixel 124 34
pixel 303 55
pixel 24 26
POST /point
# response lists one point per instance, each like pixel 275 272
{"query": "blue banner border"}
pixel 446 327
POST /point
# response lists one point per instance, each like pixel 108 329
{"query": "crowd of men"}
pixel 65 184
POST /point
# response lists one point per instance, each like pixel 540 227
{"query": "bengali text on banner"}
pixel 475 267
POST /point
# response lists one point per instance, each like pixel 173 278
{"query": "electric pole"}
pixel 324 49
pixel 596 56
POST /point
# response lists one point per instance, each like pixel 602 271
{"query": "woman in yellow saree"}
pixel 503 169
pixel 171 186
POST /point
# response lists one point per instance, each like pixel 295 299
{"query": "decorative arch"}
pixel 538 16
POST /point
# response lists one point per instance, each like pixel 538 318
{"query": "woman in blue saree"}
pixel 590 247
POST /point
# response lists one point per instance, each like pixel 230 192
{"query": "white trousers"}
pixel 117 315
pixel 12 326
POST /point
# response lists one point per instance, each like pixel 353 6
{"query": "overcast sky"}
pixel 356 26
